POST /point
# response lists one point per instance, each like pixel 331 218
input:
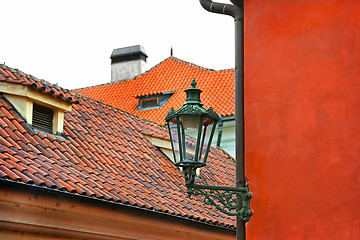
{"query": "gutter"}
pixel 106 203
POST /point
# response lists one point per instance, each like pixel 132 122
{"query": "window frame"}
pixel 149 99
pixel 161 99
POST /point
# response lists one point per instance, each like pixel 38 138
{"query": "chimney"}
pixel 127 62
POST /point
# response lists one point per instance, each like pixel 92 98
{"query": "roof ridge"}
pixel 33 77
pixel 198 66
pixel 29 78
pixel 156 65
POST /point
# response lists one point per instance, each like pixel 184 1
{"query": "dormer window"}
pixel 42 111
pixel 149 103
pixel 154 101
pixel 42 118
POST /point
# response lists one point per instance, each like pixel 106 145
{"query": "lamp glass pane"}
pixel 174 139
pixel 207 128
pixel 190 126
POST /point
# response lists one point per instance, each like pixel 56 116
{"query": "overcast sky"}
pixel 69 42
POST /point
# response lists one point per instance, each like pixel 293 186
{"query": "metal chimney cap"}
pixel 126 51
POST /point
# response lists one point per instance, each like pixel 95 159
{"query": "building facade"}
pixel 302 95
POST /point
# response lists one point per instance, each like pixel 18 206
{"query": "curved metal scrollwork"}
pixel 233 201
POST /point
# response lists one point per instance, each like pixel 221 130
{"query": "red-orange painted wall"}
pixel 302 97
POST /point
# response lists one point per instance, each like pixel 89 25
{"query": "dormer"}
pixel 153 101
pixel 41 104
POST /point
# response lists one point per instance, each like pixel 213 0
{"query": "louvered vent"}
pixel 42 118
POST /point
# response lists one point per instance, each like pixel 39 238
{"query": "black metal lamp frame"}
pixel 233 201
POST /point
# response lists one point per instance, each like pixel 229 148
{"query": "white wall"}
pixel 127 70
pixel 227 138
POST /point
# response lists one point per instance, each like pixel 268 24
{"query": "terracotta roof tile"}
pixel 172 74
pixel 8 74
pixel 104 154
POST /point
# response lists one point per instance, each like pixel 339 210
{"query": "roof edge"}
pixel 188 220
pixel 48 89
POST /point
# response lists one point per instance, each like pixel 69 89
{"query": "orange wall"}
pixel 302 91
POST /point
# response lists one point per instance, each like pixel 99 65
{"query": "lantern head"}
pixel 191 129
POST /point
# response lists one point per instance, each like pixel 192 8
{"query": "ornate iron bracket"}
pixel 233 201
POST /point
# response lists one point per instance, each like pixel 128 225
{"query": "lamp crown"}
pixel 193 94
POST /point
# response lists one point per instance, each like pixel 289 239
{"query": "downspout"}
pixel 220 127
pixel 237 12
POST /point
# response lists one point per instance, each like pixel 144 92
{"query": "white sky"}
pixel 69 42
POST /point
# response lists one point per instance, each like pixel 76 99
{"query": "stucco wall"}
pixel 127 70
pixel 302 68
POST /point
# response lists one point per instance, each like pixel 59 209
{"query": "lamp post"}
pixel 191 129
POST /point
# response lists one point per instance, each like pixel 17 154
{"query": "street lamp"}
pixel 191 129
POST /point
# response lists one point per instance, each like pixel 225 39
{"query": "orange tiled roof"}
pixel 10 75
pixel 104 154
pixel 172 74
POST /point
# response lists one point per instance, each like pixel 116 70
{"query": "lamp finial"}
pixel 193 83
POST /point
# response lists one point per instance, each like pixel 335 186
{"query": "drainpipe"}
pixel 237 12
pixel 220 127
